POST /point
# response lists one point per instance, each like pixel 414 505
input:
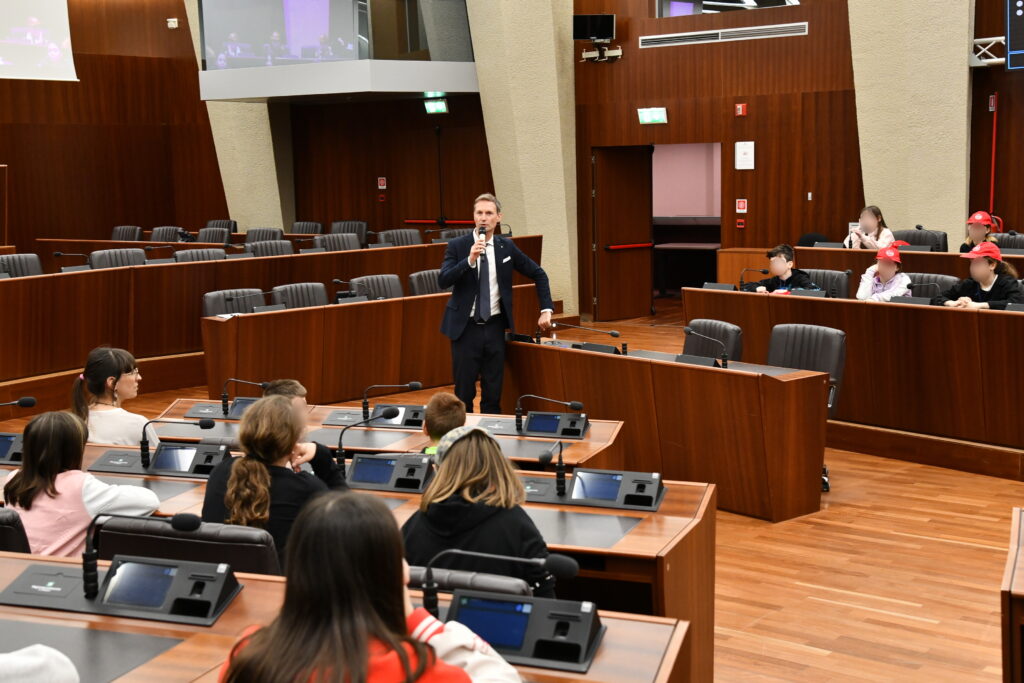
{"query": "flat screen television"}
pixel 593 27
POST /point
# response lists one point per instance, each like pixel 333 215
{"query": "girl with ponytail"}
pixel 110 377
pixel 267 486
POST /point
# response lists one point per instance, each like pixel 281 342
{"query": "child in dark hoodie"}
pixel 473 503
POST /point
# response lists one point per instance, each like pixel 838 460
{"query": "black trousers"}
pixel 480 353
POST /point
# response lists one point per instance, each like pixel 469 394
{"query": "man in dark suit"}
pixel 479 269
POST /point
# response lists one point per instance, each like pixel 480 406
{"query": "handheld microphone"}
pixel 224 391
pixel 610 333
pixel 23 402
pixel 183 521
pixel 936 285
pixel 559 566
pixel 481 236
pixel 571 405
pixel 762 271
pixel 411 386
pixel 388 413
pixel 204 423
pixel 725 356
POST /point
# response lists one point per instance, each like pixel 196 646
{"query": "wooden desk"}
pixel 337 351
pixel 1012 601
pixel 599 448
pixel 639 649
pixel 759 438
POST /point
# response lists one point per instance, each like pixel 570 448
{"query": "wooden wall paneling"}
pixel 272 346
pixel 167 305
pixel 362 345
pixel 425 353
pixel 220 354
pixel 533 369
pixel 999 336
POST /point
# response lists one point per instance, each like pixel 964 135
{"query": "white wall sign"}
pixel 745 155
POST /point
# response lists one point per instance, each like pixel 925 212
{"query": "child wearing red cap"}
pixel 886 279
pixel 993 282
pixel 979 229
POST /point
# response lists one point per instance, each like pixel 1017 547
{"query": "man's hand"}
pixel 479 247
pixel 544 321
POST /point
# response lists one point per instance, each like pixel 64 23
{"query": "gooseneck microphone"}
pixel 247 296
pixel 23 402
pixel 725 356
pixel 224 408
pixel 559 470
pixel 610 333
pixel 183 521
pixel 571 405
pixel 411 386
pixel 936 285
pixel 762 271
pixel 388 413
pixel 562 567
pixel 204 423
pixel 61 254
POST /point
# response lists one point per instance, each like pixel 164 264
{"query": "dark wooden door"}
pixel 621 197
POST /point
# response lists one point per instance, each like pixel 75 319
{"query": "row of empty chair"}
pixel 305 294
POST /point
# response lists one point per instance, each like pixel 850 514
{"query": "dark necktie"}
pixel 483 298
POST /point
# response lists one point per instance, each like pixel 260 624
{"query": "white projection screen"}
pixel 35 41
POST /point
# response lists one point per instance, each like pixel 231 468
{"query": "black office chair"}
pixel 357 228
pixel 116 258
pixel 425 282
pixel 12 532
pixel 165 233
pixel 190 255
pixel 1010 240
pixel 21 265
pixel 224 301
pixel 377 287
pixel 226 223
pixel 934 239
pixel 263 235
pixel 449 233
pixel 930 284
pixel 346 241
pixel 402 237
pixel 449 580
pixel 809 239
pixel 270 248
pixel 816 348
pixel 307 228
pixel 127 233
pixel 299 295
pixel 730 335
pixel 214 235
pixel 835 283
pixel 246 549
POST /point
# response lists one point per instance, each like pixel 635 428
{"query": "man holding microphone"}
pixel 478 267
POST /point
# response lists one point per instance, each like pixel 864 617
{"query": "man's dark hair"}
pixel 783 250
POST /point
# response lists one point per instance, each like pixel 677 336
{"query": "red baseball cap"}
pixel 988 249
pixel 981 217
pixel 889 253
pixel 900 243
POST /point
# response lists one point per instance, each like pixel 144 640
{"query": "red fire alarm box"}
pixel 741 109
pixel 741 223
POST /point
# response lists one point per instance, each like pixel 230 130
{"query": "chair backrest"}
pixel 165 233
pixel 126 233
pixel 270 248
pixel 115 258
pixel 727 333
pixel 449 580
pixel 263 234
pixel 402 237
pixel 214 235
pixel 307 228
pixel 21 265
pixel 299 295
pixel 246 549
pixel 425 282
pixel 226 223
pixel 449 233
pixel 936 241
pixel 920 283
pixel 810 347
pixel 12 532
pixel 377 287
pixel 342 241
pixel 809 239
pixel 835 283
pixel 1007 241
pixel 357 228
pixel 231 301
pixel 188 255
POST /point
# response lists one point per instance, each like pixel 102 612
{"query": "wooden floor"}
pixel 895 579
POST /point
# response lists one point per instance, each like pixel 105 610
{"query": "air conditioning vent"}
pixel 725 35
